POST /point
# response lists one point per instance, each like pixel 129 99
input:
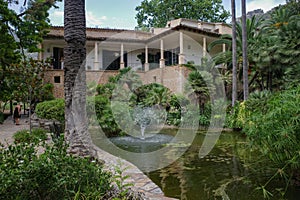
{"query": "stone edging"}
pixel 141 183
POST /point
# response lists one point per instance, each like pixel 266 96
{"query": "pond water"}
pixel 225 173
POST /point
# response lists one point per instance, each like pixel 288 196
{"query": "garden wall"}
pixel 173 78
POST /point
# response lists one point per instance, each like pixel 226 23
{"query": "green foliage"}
pixel 120 180
pixel 153 94
pixel 27 23
pixel 273 129
pixel 156 13
pixel 200 87
pixel 178 104
pixel 36 136
pixel 47 92
pixel 24 82
pixel 100 106
pixel 51 175
pixel 273 49
pixel 54 109
pixel 105 89
pixel 277 52
pixel 91 88
pixel 236 116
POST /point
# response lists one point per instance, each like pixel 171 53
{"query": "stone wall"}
pixel 56 77
pixel 52 126
pixel 173 78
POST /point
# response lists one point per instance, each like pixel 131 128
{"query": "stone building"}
pixel 156 55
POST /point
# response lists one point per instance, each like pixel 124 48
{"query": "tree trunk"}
pixel 234 59
pixel 245 56
pixel 76 131
pixel 11 109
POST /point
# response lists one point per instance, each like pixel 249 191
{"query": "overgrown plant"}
pixel 36 136
pixel 273 129
pixel 119 179
pixel 51 175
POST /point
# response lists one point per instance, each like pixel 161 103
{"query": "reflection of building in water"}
pixel 182 41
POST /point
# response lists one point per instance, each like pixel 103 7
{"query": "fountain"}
pixel 147 144
pixel 145 117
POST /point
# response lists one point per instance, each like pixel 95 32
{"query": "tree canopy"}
pixel 156 13
pixel 22 26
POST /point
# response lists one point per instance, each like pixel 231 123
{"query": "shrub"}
pixel 47 92
pixel 236 116
pixel 100 106
pixel 35 136
pixel 51 175
pixel 105 89
pixel 54 109
pixel 274 128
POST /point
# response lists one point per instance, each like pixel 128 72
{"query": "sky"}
pixel 121 14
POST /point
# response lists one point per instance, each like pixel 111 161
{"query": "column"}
pixel 181 53
pixel 162 60
pixel 224 47
pixel 122 64
pixel 96 61
pixel 204 46
pixel 146 59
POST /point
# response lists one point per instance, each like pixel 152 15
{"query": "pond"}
pixel 225 173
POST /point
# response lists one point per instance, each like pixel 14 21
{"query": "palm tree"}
pixel 253 26
pixel 200 85
pixel 158 95
pixel 245 56
pixel 277 52
pixel 76 133
pixel 234 59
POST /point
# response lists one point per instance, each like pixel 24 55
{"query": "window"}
pixel 56 79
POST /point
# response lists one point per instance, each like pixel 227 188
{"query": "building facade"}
pixel 182 41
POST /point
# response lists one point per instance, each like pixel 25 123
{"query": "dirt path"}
pixel 8 128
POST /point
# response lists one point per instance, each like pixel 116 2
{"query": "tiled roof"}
pixel 104 34
pixel 101 34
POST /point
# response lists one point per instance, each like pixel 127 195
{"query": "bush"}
pixel 105 89
pixel 100 106
pixel 54 109
pixel 35 136
pixel 235 117
pixel 47 92
pixel 51 175
pixel 274 128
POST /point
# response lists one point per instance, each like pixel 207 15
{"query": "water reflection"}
pixel 225 173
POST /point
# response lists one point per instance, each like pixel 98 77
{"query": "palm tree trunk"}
pixel 234 59
pixel 76 133
pixel 245 59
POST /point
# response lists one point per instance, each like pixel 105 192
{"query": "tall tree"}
pixel 156 13
pixel 253 36
pixel 245 56
pixel 278 52
pixel 234 54
pixel 76 132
